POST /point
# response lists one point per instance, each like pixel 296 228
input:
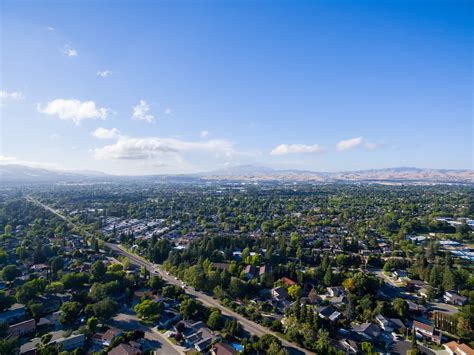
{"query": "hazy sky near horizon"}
pixel 141 87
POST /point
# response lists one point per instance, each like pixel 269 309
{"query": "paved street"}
pixel 129 321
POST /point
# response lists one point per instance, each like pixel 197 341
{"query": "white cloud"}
pixel 11 95
pixel 349 143
pixel 140 112
pixel 70 52
pixel 50 28
pixel 371 145
pixel 128 148
pixel 73 110
pixel 204 134
pixel 168 111
pixel 104 73
pixel 283 149
pixel 54 136
pixel 104 133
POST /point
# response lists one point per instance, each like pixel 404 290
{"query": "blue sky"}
pixel 144 87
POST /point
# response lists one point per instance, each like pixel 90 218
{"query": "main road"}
pixel 248 325
pixel 154 269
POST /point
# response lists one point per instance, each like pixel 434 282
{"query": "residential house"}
pixel 389 324
pixel 414 308
pixel 50 321
pixel 50 303
pixel 126 349
pixel 329 313
pixel 350 346
pixel 427 331
pixel 383 323
pixel 223 349
pixel 455 298
pixel 168 317
pixel 454 348
pixel 279 294
pixel 73 341
pixel 105 339
pixel 338 302
pixel 417 239
pixel 249 272
pixel 367 330
pixel 13 313
pixel 264 270
pixel 424 292
pixel 400 275
pixel 287 281
pixel 335 291
pixel 22 328
pixel 197 336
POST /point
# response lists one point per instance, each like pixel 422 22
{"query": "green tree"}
pixel 295 291
pixel 103 309
pixel 70 312
pixel 215 320
pixel 55 287
pixel 5 301
pixel 188 308
pixel 322 344
pixel 92 324
pixel 155 282
pixel 149 310
pixel 8 346
pixel 400 307
pixel 98 270
pixel 10 272
pixel 328 277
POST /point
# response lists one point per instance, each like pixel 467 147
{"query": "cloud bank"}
pixel 128 148
pixel 348 143
pixel 284 149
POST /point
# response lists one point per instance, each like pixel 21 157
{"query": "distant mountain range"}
pixel 24 174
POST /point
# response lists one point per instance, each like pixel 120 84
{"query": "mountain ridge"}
pixel 16 173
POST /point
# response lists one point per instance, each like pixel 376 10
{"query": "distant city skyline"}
pixel 140 87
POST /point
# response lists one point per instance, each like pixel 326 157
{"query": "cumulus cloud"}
pixel 70 52
pixel 104 73
pixel 73 110
pixel 204 134
pixel 349 143
pixel 168 111
pixel 141 112
pixel 283 149
pixel 128 148
pixel 11 95
pixel 104 133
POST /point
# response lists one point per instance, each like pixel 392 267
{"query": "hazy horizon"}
pixel 190 87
